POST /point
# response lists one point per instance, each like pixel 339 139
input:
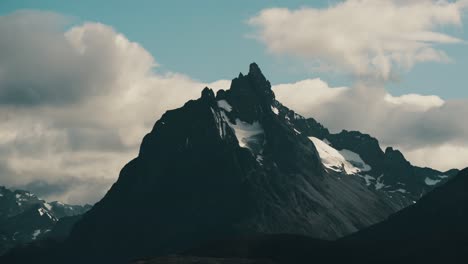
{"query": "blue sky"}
pixel 207 40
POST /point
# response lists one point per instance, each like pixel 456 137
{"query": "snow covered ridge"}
pixel 339 160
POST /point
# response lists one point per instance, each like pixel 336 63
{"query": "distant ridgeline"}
pixel 25 218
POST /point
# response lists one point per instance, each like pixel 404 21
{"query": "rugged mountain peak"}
pixel 207 93
pixel 254 69
pixel 395 156
pixel 250 94
pixel 261 84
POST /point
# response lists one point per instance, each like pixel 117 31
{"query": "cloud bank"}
pixel 75 104
pixel 368 38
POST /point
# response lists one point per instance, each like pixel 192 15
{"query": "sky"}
pixel 81 82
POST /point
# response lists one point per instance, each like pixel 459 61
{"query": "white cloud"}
pixel 75 105
pixel 415 102
pixel 371 38
pixel 444 156
pixel 306 93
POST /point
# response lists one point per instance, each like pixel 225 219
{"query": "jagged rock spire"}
pixel 251 94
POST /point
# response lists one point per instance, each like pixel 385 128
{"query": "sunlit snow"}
pixel 344 160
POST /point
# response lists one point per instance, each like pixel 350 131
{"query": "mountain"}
pixel 25 218
pixel 239 163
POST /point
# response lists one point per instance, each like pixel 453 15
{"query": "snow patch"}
pixel 35 234
pixel 43 211
pixel 379 184
pixel 220 122
pixel 246 133
pixel 398 190
pixel 401 190
pixel 224 105
pixel 297 131
pixel 275 110
pixel 368 179
pixel 332 158
pixel 431 182
pixel 259 159
pixel 355 159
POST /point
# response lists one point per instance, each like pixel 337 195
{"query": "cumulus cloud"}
pixel 75 104
pixel 430 131
pixel 415 102
pixel 371 38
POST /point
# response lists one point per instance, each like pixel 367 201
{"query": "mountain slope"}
pixel 434 230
